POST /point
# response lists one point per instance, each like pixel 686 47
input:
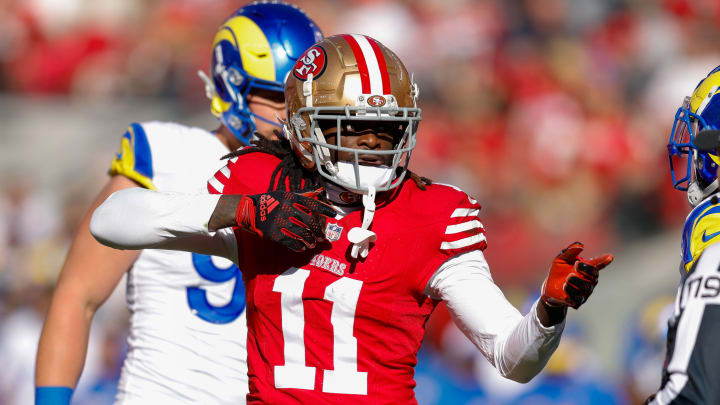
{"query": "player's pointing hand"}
pixel 572 278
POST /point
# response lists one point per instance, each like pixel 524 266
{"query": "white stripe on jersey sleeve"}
pixel 216 184
pixel 470 240
pixel 376 85
pixel 465 212
pixel 465 226
pixel 225 171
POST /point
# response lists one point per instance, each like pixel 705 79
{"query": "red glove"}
pixel 572 278
pixel 296 221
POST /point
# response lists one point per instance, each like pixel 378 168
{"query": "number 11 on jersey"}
pixel 344 294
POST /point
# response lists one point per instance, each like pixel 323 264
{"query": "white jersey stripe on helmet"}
pixel 376 84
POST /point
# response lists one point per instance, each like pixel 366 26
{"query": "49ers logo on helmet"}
pixel 376 101
pixel 313 61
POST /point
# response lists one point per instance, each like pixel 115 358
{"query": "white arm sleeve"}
pixel 518 347
pixel 138 218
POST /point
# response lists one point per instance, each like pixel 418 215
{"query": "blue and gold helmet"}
pixel 693 170
pixel 253 51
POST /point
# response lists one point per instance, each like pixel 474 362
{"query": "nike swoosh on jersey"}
pixel 706 238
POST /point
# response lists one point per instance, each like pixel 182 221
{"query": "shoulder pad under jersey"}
pixel 463 230
pixel 702 228
pixel 450 227
pixel 134 158
pixel 454 215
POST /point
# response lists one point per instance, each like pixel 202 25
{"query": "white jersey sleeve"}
pixel 518 346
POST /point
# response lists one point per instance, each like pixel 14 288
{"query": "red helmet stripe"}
pixel 381 64
pixel 371 61
pixel 361 63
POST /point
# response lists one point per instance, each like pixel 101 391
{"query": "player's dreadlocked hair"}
pixel 289 169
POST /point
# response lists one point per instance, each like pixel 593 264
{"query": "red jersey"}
pixel 324 328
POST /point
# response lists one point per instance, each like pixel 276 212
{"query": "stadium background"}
pixel 553 113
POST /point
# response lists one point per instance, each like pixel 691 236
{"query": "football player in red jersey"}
pixel 341 316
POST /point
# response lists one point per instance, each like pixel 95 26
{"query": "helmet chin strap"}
pixel 372 177
pixel 366 176
pixel 696 195
pixel 361 237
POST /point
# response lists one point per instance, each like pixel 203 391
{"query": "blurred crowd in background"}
pixel 554 114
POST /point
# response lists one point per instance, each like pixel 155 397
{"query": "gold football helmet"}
pixel 340 80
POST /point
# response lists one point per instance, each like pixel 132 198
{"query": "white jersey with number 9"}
pixel 187 327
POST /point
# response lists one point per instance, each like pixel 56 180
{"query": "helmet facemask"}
pixel 353 174
pixel 697 168
pixel 233 85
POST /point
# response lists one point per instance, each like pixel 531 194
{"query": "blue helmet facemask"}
pixel 692 170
